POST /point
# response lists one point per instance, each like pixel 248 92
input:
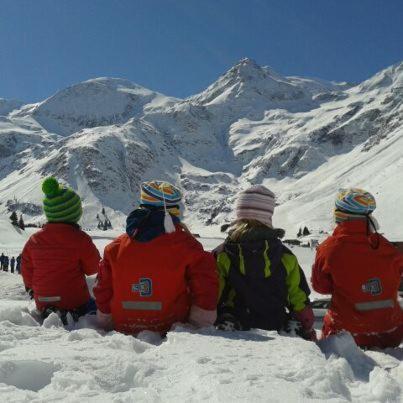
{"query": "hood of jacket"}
pixel 146 224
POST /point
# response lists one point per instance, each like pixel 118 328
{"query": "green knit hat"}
pixel 60 204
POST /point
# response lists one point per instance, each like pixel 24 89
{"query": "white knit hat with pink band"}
pixel 256 203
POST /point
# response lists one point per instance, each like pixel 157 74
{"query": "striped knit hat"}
pixel 60 204
pixel 160 194
pixel 256 203
pixel 353 203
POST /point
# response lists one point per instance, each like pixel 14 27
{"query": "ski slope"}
pixel 12 239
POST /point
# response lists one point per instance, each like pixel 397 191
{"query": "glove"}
pixel 105 320
pixel 202 317
pixel 306 317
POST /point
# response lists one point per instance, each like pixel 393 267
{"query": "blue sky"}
pixel 178 47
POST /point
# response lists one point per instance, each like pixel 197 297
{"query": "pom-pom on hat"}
pixel 256 203
pixel 60 204
pixel 353 203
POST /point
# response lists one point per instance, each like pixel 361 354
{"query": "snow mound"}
pixel 19 374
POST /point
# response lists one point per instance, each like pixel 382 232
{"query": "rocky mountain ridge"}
pixel 252 125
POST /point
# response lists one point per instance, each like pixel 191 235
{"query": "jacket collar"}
pixel 359 229
pixel 358 226
pixel 61 225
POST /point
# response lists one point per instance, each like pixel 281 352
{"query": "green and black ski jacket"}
pixel 260 279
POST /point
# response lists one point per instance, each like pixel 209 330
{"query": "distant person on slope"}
pixel 362 272
pixel 56 259
pixel 12 264
pixel 18 264
pixel 5 263
pixel 2 261
pixel 261 283
pixel 156 274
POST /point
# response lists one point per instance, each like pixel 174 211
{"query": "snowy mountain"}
pixel 304 138
pixel 92 103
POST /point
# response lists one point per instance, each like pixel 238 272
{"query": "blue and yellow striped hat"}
pixel 60 204
pixel 156 193
pixel 353 203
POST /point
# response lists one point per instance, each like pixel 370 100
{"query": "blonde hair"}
pixel 241 227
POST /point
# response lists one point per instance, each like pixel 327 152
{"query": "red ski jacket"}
pixel 362 279
pixel 54 263
pixel 151 285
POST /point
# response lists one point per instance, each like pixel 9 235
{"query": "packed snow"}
pixel 44 362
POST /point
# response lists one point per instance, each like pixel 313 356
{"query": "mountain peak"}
pixel 96 102
pixel 110 83
pixel 247 69
pixel 247 63
pixel 247 81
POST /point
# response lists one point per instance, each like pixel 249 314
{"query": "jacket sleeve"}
pixel 27 266
pixel 223 268
pixel 321 278
pixel 201 273
pixel 103 289
pixel 89 256
pixel 297 286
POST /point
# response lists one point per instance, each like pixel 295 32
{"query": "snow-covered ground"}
pixel 46 363
pixel 82 363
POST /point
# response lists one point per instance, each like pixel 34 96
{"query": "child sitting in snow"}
pixel 56 259
pixel 260 279
pixel 362 272
pixel 156 273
